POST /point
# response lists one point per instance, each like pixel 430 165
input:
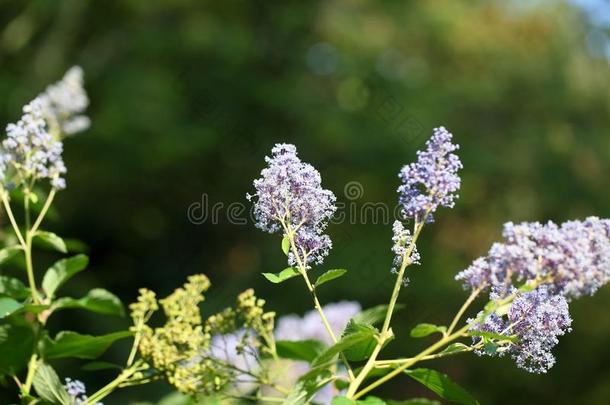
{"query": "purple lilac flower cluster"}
pixel 574 258
pixel 77 391
pixel 536 319
pixel 289 191
pixel 432 180
pixel 565 261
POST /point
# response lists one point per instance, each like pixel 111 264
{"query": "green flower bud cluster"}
pixel 182 350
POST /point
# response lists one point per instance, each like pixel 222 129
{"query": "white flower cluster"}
pixel 33 148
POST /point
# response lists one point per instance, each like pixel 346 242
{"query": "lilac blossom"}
pixel 30 152
pixel 574 258
pixel 534 321
pixel 77 392
pixel 432 180
pixel 289 197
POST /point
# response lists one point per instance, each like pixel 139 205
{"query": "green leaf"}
pixel 371 401
pixel 492 335
pixel 305 350
pixel 48 386
pixel 97 300
pixel 72 344
pixel 49 239
pixel 101 365
pixel 442 385
pixel 455 348
pixel 282 276
pixel 61 272
pixel 361 350
pixel 329 275
pixel 300 394
pixel 8 306
pixel 16 345
pixel 13 288
pixel 285 245
pixel 354 338
pixel 33 308
pixel 342 401
pixel 366 401
pixel 374 315
pixel 8 253
pixel 425 329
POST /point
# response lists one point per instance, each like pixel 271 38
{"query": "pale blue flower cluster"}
pixel 30 152
pixel 77 391
pixel 33 149
pixel 565 261
pixel 290 191
pixel 535 320
pixel 432 180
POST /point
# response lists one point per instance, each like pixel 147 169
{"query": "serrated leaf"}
pixel 426 329
pixel 305 350
pixel 442 385
pixel 330 275
pixel 49 387
pixel 347 341
pixel 8 253
pixel 13 288
pixel 16 345
pixel 51 240
pixel 287 273
pixel 8 306
pixel 61 272
pixel 72 344
pixel 97 300
pixel 363 349
pixel 285 245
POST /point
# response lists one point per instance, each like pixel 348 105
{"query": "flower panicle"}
pixel 289 198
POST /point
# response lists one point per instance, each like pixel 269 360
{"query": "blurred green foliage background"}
pixel 187 97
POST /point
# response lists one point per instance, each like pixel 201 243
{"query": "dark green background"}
pixel 187 97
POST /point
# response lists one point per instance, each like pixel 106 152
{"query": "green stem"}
pixel 442 342
pixel 112 385
pixel 43 211
pixel 473 295
pixel 11 217
pixel 303 270
pixel 29 379
pixel 385 334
